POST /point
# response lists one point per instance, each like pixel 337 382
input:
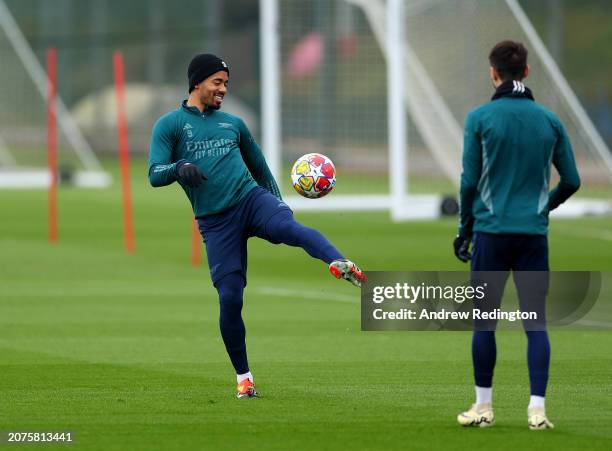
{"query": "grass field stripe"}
pixel 319 295
pixel 28 292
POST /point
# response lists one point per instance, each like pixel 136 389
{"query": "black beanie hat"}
pixel 203 66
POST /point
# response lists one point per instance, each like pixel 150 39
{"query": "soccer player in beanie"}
pixel 217 162
pixel 509 146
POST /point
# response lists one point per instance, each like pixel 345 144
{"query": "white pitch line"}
pixel 588 322
pixel 583 232
pixel 268 291
pixel 318 295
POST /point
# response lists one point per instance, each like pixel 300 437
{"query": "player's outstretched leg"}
pixel 283 228
pixel 230 289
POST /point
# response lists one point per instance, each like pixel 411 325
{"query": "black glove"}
pixel 190 175
pixel 462 248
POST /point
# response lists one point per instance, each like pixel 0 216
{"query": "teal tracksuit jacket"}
pixel 510 145
pixel 220 145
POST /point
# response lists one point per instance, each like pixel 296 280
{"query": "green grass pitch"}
pixel 125 350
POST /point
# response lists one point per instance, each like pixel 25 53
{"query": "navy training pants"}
pixel 513 252
pixel 225 234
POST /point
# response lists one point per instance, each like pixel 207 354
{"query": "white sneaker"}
pixel 479 415
pixel 346 269
pixel 537 419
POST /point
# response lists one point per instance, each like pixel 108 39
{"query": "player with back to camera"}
pixel 509 146
pixel 217 162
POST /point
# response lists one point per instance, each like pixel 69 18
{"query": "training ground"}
pixel 124 351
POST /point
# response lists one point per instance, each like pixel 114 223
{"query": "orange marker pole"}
pixel 124 152
pixel 196 244
pixel 52 141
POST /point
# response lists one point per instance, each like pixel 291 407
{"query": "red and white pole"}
pixel 52 141
pixel 124 152
pixel 196 244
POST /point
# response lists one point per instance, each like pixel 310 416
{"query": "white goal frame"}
pixel 14 176
pixel 408 86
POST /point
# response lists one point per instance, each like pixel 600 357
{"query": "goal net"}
pixel 334 57
pixel 23 121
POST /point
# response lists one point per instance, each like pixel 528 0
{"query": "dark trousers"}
pixel 262 215
pixel 493 257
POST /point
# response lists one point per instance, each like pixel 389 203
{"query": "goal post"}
pixel 22 120
pixel 564 88
pixel 397 144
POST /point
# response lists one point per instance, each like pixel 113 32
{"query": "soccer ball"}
pixel 313 175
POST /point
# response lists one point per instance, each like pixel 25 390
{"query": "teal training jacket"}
pixel 220 145
pixel 509 146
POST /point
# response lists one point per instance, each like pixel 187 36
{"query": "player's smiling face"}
pixel 213 89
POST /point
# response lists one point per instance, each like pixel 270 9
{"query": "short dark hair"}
pixel 509 58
